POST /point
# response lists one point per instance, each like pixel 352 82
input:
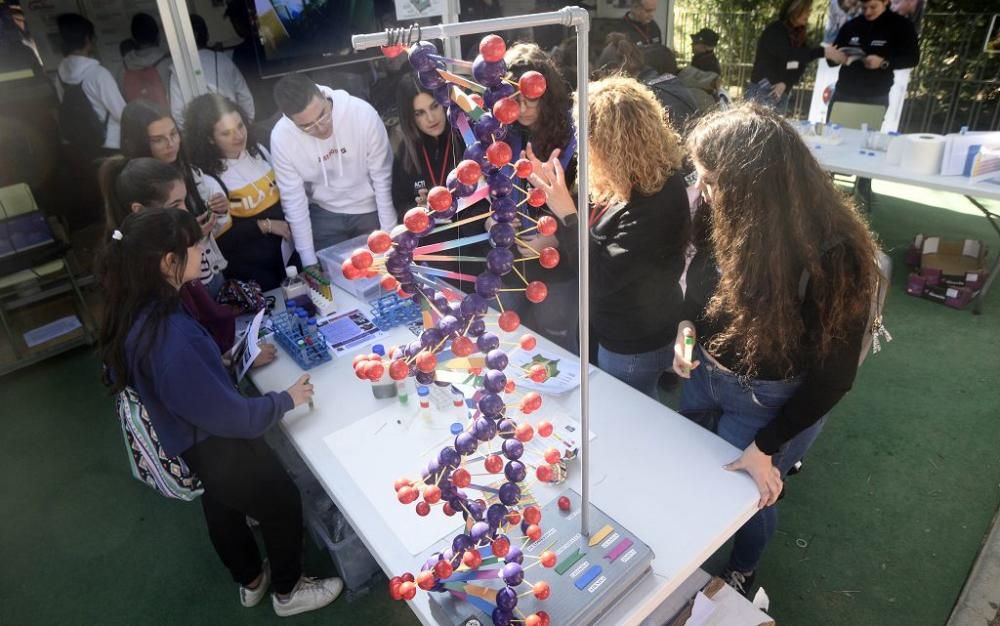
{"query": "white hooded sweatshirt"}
pixel 350 172
pixel 101 89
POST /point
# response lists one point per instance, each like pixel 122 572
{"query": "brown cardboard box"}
pixel 954 262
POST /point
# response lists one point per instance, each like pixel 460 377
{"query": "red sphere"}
pixel 548 257
pixel 398 369
pixel 361 370
pixel 374 357
pixel 379 241
pixel 493 464
pixel 544 473
pixel 462 346
pixel 536 291
pixel 513 518
pixel 534 532
pixel 402 294
pixel 472 559
pixel 408 590
pixel 439 198
pixel 448 510
pixel 425 580
pixel 350 272
pixel 532 85
pixel 358 358
pixel 389 284
pixel 362 259
pixel 426 361
pixel 443 569
pixel 564 503
pixel 423 509
pixel 523 168
pixel 532 400
pixel 524 433
pixel 547 558
pixel 546 620
pixel 506 110
pixel 416 220
pixel 510 387
pixel 499 153
pixel 407 495
pixel 509 321
pixel 492 47
pixel 501 546
pixel 528 342
pixel 461 478
pixel 407 577
pixel 467 172
pixel 547 225
pixel 394 584
pixel 532 620
pixel 544 428
pixel 536 197
pixel 478 99
pixel 552 456
pixel 532 514
pixel 432 494
pixel 401 482
pixel 541 591
pixel 538 373
pixel 374 371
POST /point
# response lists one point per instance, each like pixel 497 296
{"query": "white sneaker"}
pixel 252 597
pixel 309 594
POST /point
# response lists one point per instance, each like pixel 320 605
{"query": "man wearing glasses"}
pixel 333 163
pixel 639 25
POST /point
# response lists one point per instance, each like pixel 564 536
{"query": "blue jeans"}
pixel 736 409
pixel 639 371
pixel 331 228
pixel 754 93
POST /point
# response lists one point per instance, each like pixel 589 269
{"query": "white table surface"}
pixel 652 470
pixel 845 158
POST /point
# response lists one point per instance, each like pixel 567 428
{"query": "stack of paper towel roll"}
pixel 918 154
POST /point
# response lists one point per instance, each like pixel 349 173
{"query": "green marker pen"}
pixel 688 351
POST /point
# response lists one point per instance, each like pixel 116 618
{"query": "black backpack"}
pixel 78 122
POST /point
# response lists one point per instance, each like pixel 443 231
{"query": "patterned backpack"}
pixel 169 476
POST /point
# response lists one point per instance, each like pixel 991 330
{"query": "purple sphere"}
pixel 430 79
pixel 448 490
pixel 420 56
pixel 488 73
pixel 514 555
pixel 457 188
pixel 461 543
pixel 503 90
pixel 448 213
pixel 500 185
pixel 502 235
pixel 439 300
pixel 424 378
pixel 478 326
pixel 455 115
pixel 476 152
pixel 484 428
pixel 497 360
pixel 487 284
pixel 485 129
pixel 474 304
pixel 413 348
pixel 504 211
pixel 478 531
pixel 506 428
pixel 431 337
pixel 495 381
pixel 501 617
pixel 405 241
pixel 500 261
pixel 487 342
pixel 449 457
pixel 515 470
pixel 410 288
pixel 450 325
pixel 512 574
pixel 496 514
pixel 509 494
pixel 465 443
pixel 475 509
pixel 491 405
pixel 433 467
pixel 443 95
pixel 512 449
pixel 507 599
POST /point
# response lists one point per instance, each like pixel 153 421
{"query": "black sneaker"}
pixel 740 581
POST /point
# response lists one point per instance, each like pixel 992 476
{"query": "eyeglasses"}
pixel 164 141
pixel 323 119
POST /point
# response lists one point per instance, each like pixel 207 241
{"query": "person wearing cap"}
pixel 703 45
pixel 638 24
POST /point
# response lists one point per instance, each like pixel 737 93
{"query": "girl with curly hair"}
pixel 777 299
pixel 220 143
pixel 638 221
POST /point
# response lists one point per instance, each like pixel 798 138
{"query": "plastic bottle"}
pixel 293 286
pixel 386 387
pixel 424 394
pixel 894 153
pixel 457 397
pixel 301 321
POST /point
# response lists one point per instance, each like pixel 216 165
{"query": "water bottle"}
pixel 293 286
pixel 386 387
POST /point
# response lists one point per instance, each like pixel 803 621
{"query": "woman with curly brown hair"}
pixel 777 299
pixel 638 223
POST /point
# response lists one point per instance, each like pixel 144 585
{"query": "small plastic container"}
pixel 386 387
pixel 457 397
pixel 293 286
pixel 424 395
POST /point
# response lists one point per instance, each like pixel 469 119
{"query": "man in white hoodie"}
pixel 333 163
pixel 79 68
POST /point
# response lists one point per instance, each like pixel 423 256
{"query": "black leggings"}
pixel 243 477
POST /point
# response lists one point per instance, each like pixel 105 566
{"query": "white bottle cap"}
pixel 291 271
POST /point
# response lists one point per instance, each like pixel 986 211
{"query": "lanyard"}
pixel 596 214
pixel 642 33
pixel 435 182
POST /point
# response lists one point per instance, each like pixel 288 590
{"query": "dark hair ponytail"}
pixel 123 182
pixel 133 284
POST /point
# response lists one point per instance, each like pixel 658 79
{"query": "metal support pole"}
pixel 578 18
pixel 183 51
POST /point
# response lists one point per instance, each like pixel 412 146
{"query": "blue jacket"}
pixel 187 389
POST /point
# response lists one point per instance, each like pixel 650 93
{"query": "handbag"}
pixel 150 465
pixel 246 295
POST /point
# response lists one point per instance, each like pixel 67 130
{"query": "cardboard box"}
pixel 955 263
pixel 729 608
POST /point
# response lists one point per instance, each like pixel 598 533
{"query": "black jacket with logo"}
pixel 890 36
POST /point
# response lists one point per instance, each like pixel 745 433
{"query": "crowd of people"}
pixel 778 266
